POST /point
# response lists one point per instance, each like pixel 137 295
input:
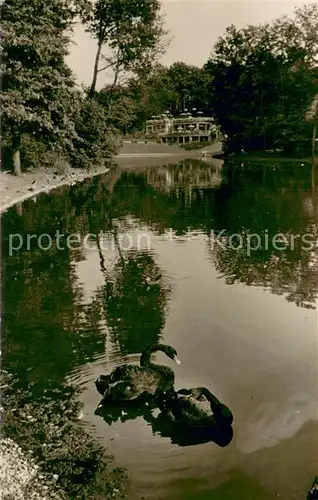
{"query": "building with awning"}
pixel 186 128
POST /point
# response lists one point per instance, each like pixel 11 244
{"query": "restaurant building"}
pixel 183 129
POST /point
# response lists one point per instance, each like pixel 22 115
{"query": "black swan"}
pixel 193 416
pixel 131 382
pixel 196 406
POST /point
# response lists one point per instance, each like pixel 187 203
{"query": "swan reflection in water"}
pixel 190 435
pixel 188 417
pixel 123 411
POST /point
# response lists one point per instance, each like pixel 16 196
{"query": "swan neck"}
pixel 215 403
pixel 145 358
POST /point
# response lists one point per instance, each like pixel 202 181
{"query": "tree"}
pixel 262 81
pixel 298 32
pixel 312 117
pixel 120 107
pixel 172 89
pixel 188 86
pixel 150 93
pixel 38 91
pixel 129 29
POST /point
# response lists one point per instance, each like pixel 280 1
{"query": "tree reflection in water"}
pixel 134 296
pixel 250 198
pixel 281 204
pixel 43 297
pixel 49 331
pixel 134 300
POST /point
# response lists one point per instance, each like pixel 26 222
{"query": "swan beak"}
pixel 177 360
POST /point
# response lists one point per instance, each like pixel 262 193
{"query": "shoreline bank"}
pixel 31 183
pixel 22 478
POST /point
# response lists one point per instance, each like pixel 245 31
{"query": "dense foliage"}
pixel 172 89
pixel 263 79
pixel 96 139
pixel 38 91
pixel 42 108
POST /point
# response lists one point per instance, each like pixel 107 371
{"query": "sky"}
pixel 193 25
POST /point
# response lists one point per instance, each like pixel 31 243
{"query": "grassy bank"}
pixel 49 431
pixel 264 156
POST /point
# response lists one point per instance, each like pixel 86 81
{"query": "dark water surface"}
pixel 244 322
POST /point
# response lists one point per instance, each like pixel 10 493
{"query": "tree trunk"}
pixel 19 209
pixel 16 160
pixel 313 187
pixel 313 144
pixel 97 57
pixel 112 88
pixel 118 247
pixel 101 257
pixel 263 123
pixel 264 140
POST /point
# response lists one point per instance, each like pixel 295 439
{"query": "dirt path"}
pixel 17 189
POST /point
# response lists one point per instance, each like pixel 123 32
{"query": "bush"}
pixel 196 145
pixel 97 140
pixel 34 153
pixel 297 141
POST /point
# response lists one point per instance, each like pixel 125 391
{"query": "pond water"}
pixel 171 258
